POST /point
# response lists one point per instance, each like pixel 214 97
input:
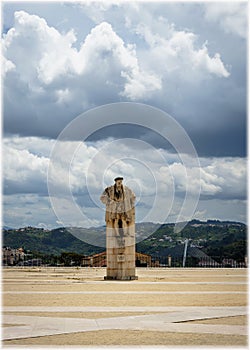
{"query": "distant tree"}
pixel 236 251
pixel 71 259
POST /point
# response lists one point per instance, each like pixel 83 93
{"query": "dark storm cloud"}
pixel 211 109
pixel 232 141
pixel 131 131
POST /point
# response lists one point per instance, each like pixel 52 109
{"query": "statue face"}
pixel 118 183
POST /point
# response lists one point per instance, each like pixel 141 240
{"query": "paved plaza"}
pixel 164 307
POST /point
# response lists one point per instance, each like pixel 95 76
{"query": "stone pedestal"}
pixel 120 244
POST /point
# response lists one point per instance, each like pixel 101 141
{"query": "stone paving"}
pixel 174 319
pixel 33 326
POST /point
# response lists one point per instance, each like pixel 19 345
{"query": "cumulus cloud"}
pixel 231 16
pixel 229 175
pixel 49 80
pixel 52 55
pixel 96 165
pixel 97 10
pixel 25 166
pixel 158 178
pixel 32 38
pixel 176 52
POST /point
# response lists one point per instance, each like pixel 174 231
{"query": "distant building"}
pixel 143 260
pixel 11 256
pixel 31 262
pixel 99 260
pixel 96 260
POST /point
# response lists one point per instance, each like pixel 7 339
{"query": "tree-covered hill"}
pixel 43 241
pixel 215 238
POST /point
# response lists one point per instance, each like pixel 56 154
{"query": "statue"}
pixel 120 210
pixel 120 230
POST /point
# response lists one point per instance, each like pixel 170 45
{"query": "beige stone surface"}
pixel 124 300
pixel 234 320
pixel 94 315
pixel 140 338
pixel 228 287
pixel 105 286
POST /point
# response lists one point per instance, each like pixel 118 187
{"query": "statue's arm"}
pixel 105 196
pixel 130 197
pixel 133 197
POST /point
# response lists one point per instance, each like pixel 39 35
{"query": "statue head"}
pixel 118 181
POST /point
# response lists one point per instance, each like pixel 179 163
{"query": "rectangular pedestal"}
pixel 120 254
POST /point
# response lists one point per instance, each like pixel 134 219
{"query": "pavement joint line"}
pixel 125 282
pixel 99 278
pixel 65 276
pixel 124 292
pixel 242 309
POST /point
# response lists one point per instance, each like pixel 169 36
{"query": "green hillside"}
pixel 215 238
pixel 43 241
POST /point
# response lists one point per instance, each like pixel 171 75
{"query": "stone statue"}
pixel 120 230
pixel 120 207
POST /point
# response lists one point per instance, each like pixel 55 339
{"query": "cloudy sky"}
pixel 185 62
